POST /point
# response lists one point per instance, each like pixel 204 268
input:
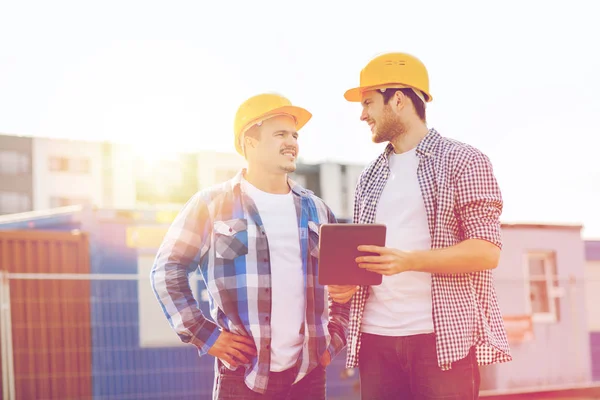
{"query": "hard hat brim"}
pixel 301 115
pixel 354 94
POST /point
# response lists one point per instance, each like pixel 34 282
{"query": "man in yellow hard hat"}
pixel 423 332
pixel 255 239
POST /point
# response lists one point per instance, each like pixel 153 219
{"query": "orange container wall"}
pixel 51 329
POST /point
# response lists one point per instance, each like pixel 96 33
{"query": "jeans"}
pixel 230 385
pixel 406 368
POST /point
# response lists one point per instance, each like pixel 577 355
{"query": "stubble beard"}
pixel 288 169
pixel 390 128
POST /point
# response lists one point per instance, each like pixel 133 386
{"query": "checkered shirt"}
pixel 462 201
pixel 220 231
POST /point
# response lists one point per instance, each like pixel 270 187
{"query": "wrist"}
pixel 416 260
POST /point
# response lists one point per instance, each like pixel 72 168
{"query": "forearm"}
pixel 339 316
pixel 471 255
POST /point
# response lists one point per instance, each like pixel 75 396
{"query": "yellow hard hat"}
pixel 261 107
pixel 392 70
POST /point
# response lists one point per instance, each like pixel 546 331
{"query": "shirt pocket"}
pixel 313 239
pixel 230 238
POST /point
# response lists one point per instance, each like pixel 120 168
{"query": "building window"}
pixel 80 165
pixel 13 163
pixel 542 286
pixel 14 202
pixel 67 201
pixel 64 164
pixel 58 164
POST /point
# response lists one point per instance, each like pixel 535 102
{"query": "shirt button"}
pixel 267 319
pixel 265 260
pixel 267 347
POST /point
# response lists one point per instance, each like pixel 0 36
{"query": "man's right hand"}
pixel 233 348
pixel 342 294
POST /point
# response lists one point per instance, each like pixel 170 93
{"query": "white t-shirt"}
pixel 402 304
pixel 288 296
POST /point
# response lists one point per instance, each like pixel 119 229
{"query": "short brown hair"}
pixel 417 102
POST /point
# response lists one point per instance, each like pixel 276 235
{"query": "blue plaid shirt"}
pixel 220 231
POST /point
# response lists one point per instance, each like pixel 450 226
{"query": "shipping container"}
pixel 97 331
pixel 50 318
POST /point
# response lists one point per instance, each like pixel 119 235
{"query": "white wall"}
pixel 559 353
pixel 123 193
pixel 331 187
pixel 155 330
pixel 337 187
pixel 47 184
pixel 352 174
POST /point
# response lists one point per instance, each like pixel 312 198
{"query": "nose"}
pixel 364 116
pixel 291 141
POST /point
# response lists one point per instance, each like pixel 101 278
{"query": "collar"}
pixel 425 148
pixel 294 186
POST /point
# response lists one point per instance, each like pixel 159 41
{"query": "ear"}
pixel 399 100
pixel 249 142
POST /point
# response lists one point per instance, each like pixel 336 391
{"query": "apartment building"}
pixel 67 172
pixel 42 173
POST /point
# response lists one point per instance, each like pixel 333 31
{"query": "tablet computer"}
pixel 338 251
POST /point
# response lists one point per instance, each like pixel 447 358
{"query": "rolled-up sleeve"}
pixel 185 244
pixel 479 201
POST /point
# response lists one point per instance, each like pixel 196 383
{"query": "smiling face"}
pixel 384 120
pixel 273 146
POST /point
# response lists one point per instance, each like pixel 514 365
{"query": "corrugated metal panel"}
pixel 50 318
pixel 121 367
pixel 44 252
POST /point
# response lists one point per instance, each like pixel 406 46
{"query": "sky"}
pixel 516 79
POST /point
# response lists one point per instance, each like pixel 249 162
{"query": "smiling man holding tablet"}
pixel 435 317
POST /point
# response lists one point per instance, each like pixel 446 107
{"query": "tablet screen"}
pixel 338 251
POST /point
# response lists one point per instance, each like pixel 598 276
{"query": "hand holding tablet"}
pixel 338 250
